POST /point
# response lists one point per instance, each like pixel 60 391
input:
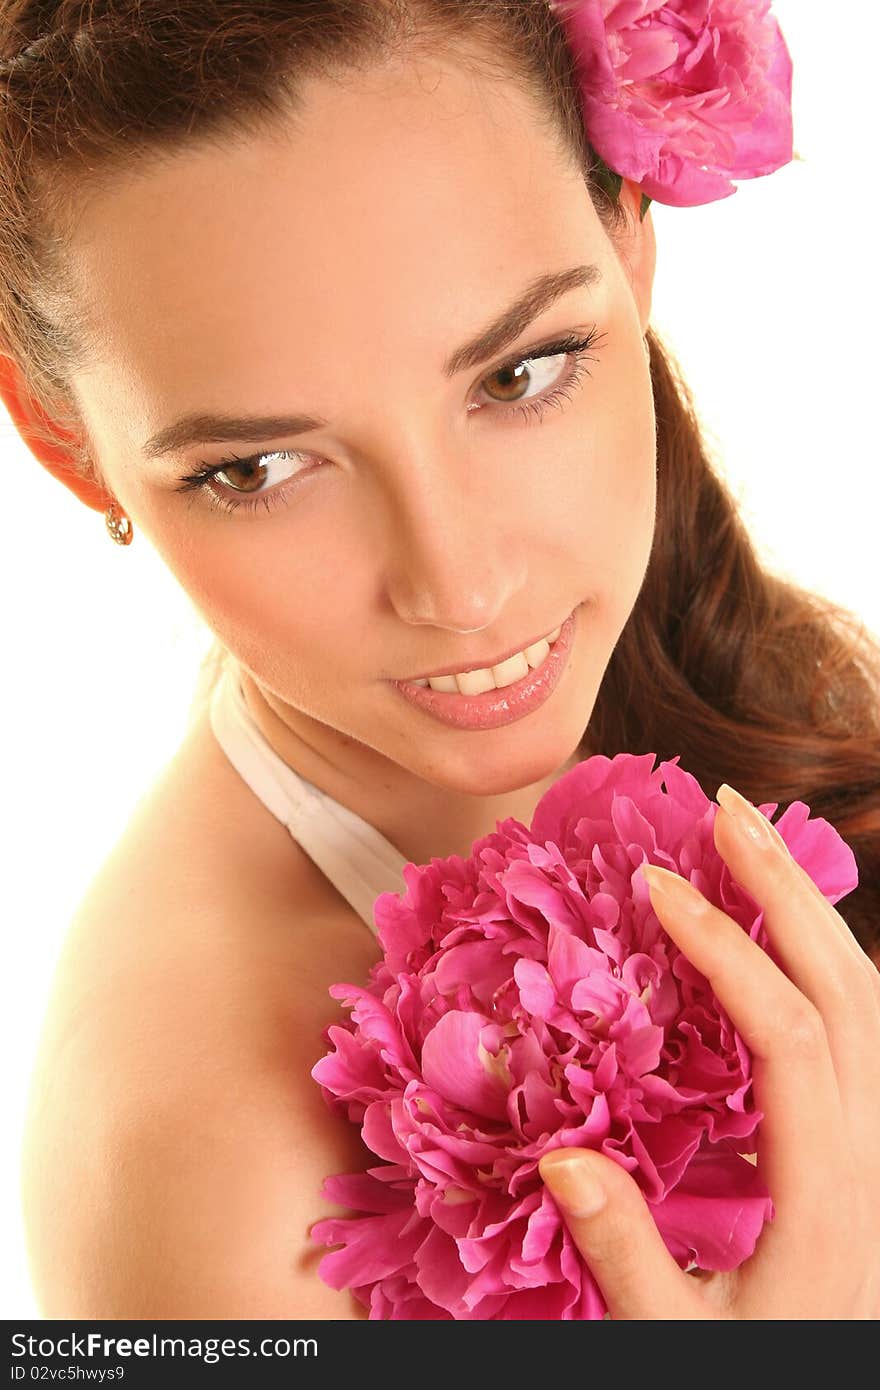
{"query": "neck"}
pixel 422 820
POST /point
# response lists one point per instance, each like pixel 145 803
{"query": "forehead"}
pixel 398 206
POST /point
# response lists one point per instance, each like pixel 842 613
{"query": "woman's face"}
pixel 330 270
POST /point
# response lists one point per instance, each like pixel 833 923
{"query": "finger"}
pixel 816 950
pixel 802 1138
pixel 612 1227
pixel 754 842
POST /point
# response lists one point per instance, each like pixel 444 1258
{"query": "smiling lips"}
pixel 491 707
pixel 507 672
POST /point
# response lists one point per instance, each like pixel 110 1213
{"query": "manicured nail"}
pixel 748 819
pixel 576 1189
pixel 673 891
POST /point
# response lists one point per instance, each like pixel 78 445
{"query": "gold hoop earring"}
pixel 119 525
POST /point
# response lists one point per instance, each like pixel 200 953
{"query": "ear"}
pixel 639 250
pixel 31 421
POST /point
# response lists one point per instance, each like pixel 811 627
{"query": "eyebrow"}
pixel 202 428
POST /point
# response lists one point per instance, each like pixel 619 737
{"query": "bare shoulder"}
pixel 176 1142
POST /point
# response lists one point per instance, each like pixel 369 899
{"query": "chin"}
pixel 488 767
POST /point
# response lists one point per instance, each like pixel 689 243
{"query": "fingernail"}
pixel 674 891
pixel 573 1185
pixel 749 821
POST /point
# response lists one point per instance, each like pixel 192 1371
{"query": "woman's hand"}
pixel 813 1028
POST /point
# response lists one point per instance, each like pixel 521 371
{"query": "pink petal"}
pixel 451 1065
pixel 536 988
pixel 441 1275
pixel 364 1193
pixel 375 1247
pixel 716 1213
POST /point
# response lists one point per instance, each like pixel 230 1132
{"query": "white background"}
pixel 770 299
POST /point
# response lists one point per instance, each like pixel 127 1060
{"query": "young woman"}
pixel 336 304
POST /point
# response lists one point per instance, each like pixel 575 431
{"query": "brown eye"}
pixel 244 475
pixel 248 477
pixel 249 474
pixel 514 380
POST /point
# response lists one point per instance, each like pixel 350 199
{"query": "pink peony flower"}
pixel 681 96
pixel 528 1000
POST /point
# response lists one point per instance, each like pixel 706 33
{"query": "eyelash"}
pixel 578 348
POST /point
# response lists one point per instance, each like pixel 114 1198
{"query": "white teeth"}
pixel 535 655
pixel 495 677
pixel 475 682
pixel 513 669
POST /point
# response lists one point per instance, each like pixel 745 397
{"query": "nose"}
pixel 455 552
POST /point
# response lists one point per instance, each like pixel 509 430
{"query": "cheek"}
pixel 261 584
pixel 612 488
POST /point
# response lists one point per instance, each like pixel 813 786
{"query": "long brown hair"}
pixel 751 679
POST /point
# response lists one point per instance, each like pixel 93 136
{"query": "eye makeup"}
pixel 577 348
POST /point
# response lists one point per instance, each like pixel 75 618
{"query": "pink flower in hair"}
pixel 681 96
pixel 528 1000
